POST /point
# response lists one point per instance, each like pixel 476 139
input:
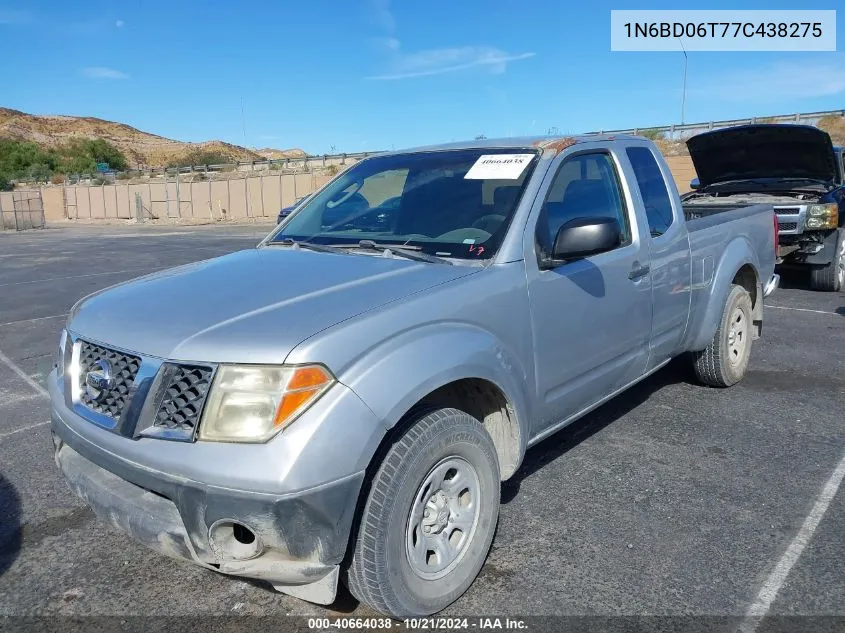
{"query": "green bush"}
pixel 17 158
pixel 27 161
pixel 651 134
pixel 82 155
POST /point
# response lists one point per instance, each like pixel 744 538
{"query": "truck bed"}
pixel 698 211
pixel 714 232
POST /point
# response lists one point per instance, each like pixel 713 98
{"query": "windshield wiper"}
pixel 398 249
pixel 311 246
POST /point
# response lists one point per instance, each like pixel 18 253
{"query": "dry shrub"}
pixel 835 126
pixel 671 147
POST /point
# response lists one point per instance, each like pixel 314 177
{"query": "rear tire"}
pixel 831 277
pixel 723 363
pixel 429 518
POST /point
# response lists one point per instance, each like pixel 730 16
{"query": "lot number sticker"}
pixel 499 166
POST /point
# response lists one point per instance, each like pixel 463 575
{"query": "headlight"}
pixel 251 403
pixel 822 216
pixel 60 354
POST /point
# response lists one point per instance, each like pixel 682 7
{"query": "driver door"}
pixel 591 317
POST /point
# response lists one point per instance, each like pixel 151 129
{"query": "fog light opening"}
pixel 243 534
pixel 231 540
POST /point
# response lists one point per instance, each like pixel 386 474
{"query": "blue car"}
pixel 288 210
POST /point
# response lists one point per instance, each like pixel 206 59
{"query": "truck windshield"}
pixel 451 203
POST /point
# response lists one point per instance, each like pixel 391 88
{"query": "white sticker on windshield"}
pixel 499 166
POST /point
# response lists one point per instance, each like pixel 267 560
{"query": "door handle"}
pixel 639 271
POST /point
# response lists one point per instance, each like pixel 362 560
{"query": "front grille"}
pixel 787 226
pixel 123 369
pixel 184 398
pixel 787 210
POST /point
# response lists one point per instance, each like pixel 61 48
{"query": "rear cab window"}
pixel 653 190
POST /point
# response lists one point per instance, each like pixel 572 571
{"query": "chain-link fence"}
pixel 21 210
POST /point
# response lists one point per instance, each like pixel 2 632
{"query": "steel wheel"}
pixel 725 360
pixel 429 518
pixel 443 518
pixel 840 273
pixel 737 337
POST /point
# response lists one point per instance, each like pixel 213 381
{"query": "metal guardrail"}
pixel 805 117
pixel 307 162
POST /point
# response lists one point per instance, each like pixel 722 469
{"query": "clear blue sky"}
pixel 375 74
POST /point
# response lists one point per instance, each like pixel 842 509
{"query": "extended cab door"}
pixel 591 318
pixel 670 251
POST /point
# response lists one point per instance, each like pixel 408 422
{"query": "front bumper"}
pixel 301 535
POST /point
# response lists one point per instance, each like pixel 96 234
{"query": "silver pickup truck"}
pixel 342 402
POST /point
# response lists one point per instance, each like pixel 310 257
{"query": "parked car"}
pixel 286 211
pixel 342 402
pixel 797 169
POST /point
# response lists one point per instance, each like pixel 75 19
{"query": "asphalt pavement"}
pixel 674 499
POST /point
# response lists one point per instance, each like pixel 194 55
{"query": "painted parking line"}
pixel 769 591
pixel 802 309
pixel 24 428
pixel 39 392
pixel 107 272
pixel 23 375
pixel 16 398
pixel 44 318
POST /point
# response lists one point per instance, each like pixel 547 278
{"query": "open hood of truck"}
pixel 763 151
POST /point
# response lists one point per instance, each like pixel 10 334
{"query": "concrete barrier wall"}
pixel 255 196
pixel 54 203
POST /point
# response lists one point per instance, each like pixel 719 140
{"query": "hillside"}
pixel 141 149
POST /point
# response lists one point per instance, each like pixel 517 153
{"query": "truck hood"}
pixel 252 306
pixel 763 151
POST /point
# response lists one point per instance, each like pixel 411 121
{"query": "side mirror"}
pixel 695 183
pixel 582 237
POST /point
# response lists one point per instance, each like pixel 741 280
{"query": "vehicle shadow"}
pixel 679 370
pixel 10 525
pixel 793 279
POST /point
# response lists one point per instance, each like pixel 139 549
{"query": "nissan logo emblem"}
pixel 99 379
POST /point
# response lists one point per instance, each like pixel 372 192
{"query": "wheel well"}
pixel 484 401
pixel 747 278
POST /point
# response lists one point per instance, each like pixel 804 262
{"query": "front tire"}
pixel 723 363
pixel 831 277
pixel 429 519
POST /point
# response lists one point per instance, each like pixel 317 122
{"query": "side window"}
pixel 658 204
pixel 585 186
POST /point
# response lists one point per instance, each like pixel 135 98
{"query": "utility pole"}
pixel 684 93
pixel 243 120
